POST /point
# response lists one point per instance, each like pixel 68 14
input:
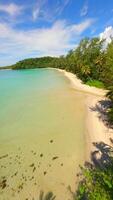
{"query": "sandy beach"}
pixel 41 135
pixel 96 130
pixel 44 142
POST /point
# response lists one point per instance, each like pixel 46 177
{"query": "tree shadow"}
pixel 103 156
pixel 47 196
pixel 102 107
pixel 101 161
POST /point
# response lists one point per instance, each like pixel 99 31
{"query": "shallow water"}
pixel 42 142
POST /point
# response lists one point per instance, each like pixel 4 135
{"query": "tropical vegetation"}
pixel 97 178
pixel 92 62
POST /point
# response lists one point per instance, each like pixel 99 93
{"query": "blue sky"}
pixel 33 28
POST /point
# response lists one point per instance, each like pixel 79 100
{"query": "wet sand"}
pixel 42 140
pixel 49 160
pixel 96 130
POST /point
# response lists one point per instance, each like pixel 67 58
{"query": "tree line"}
pixel 91 61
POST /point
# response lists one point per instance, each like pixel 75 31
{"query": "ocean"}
pixel 42 134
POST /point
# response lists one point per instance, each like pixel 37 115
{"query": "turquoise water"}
pixel 41 133
pixel 21 94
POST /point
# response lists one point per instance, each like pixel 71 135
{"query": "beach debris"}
pixel 23 177
pixel 32 165
pixel 33 152
pixel 45 173
pixel 3 183
pixel 34 168
pixel 20 187
pixel 61 164
pixel 51 141
pixel 2 166
pixel 4 156
pixel 14 174
pixel 31 178
pixel 41 155
pixel 55 157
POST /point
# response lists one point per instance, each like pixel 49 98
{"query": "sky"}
pixel 34 28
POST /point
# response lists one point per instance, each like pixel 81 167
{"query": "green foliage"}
pixel 110 93
pixel 110 115
pixel 109 55
pixel 6 67
pixel 89 61
pixel 92 63
pixel 85 59
pixel 110 111
pixel 33 63
pixel 97 184
pixel 95 83
pixel 97 180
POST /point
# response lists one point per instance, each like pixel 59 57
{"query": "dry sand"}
pixel 96 130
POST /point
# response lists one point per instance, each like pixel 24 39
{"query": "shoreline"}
pixel 96 131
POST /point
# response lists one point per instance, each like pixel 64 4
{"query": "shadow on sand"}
pixel 103 156
pixel 101 159
pixel 102 108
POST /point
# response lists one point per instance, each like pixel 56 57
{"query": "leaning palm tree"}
pixel 47 196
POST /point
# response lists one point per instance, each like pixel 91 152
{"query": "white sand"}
pixel 96 131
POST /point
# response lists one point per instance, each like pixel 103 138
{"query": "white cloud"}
pixel 43 11
pixel 79 28
pixel 84 10
pixel 36 13
pixel 55 40
pixel 38 9
pixel 60 7
pixel 11 9
pixel 107 34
